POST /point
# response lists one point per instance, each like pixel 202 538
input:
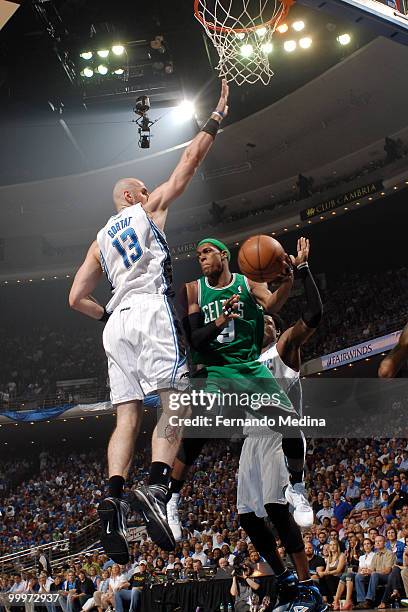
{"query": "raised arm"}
pixel 305 327
pixel 85 281
pixel 192 157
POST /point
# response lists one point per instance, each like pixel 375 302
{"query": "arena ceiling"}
pixel 59 166
pixel 344 110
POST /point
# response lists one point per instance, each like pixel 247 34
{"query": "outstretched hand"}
pixel 222 106
pixel 303 249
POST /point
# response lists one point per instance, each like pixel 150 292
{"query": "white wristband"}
pixel 305 264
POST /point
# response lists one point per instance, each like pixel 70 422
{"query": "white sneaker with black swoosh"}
pixel 150 502
pixel 173 516
pixel 112 514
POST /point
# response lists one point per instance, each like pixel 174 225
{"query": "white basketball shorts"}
pixel 262 474
pixel 145 348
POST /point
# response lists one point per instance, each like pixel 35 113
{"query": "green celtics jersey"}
pixel 241 340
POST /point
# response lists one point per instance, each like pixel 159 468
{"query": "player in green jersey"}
pixel 224 325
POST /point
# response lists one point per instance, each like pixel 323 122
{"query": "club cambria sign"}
pixel 344 198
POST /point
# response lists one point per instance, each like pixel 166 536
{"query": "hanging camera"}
pixel 142 107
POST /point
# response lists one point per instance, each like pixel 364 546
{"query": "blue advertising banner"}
pixel 360 351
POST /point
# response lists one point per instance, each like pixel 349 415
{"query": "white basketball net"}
pixel 241 31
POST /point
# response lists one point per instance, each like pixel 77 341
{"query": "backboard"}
pixel 386 19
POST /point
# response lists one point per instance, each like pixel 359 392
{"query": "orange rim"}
pixel 274 21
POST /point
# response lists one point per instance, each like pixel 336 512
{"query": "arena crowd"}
pixel 358 543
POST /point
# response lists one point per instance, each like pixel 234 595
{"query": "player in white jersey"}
pixel 142 337
pixel 263 480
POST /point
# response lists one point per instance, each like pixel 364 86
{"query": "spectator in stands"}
pixel 225 568
pixel 130 591
pixel 117 578
pixel 395 545
pixel 398 498
pixel 316 562
pixel 84 591
pixel 90 564
pixel 364 522
pixel 18 585
pixel 159 567
pixel 198 569
pixel 322 540
pixel 188 570
pixel 100 597
pixel 380 568
pixel 341 508
pixel 346 582
pixel 199 554
pixel 325 512
pixel 70 587
pixel 352 491
pixel 329 578
pixel 344 528
pixel 334 537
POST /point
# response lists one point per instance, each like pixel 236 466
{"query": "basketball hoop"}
pixel 242 31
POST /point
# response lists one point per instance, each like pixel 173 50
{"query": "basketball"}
pixel 260 258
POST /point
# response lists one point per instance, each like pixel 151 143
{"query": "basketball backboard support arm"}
pixel 382 19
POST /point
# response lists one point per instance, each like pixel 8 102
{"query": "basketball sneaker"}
pixel 295 597
pixel 310 597
pixel 296 496
pixel 150 502
pixel 287 590
pixel 112 514
pixel 173 516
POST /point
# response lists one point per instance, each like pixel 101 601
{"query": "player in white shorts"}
pixel 142 336
pixel 263 479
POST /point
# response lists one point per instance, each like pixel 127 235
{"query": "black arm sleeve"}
pixel 314 310
pixel 198 334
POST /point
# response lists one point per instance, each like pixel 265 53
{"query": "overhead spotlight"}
pixel 103 53
pixel 261 32
pixel 102 69
pixel 283 28
pixel 184 111
pixel 118 71
pixel 240 35
pixel 86 55
pixel 289 45
pixel 267 48
pixel 344 39
pixel 298 25
pixel 118 49
pixel 87 72
pixel 305 43
pixel 247 50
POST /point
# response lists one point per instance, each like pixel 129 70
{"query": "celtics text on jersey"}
pixel 241 340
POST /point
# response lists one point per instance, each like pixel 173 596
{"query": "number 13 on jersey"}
pixel 128 247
